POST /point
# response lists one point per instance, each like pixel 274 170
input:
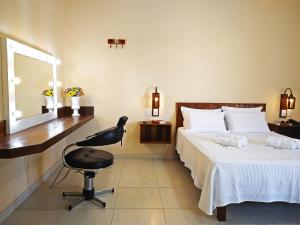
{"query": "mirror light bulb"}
pixel 58 83
pixel 58 62
pixel 18 114
pixel 17 80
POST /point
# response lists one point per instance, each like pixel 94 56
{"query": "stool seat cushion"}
pixel 89 158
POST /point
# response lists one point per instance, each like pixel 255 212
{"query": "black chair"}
pixel 89 160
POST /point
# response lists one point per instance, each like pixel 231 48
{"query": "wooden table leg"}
pixel 221 213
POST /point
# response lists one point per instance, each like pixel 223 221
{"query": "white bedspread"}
pixel 232 175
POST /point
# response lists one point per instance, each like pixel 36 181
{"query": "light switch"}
pixel 290 112
pixel 148 112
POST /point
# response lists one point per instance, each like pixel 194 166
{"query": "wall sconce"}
pixel 155 103
pixel 286 102
pixel 116 42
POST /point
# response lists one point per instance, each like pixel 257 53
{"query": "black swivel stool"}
pixel 89 160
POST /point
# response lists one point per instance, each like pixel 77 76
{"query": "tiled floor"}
pixel 148 192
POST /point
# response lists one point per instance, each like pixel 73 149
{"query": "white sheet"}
pixel 232 175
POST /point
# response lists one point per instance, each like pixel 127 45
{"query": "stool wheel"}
pixel 113 190
pixel 70 207
pixel 63 194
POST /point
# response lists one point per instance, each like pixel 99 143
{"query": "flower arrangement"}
pixel 48 92
pixel 74 92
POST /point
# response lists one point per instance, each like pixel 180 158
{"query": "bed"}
pixel 228 175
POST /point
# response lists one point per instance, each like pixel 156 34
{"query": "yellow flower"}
pixel 74 91
pixel 48 92
pixel 71 93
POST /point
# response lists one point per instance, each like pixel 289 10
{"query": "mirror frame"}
pixel 14 125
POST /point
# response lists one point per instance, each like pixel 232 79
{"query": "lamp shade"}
pixel 155 103
pixel 287 101
pixel 292 102
pixel 284 101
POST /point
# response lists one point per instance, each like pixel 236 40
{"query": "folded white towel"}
pixel 231 140
pixel 298 143
pixel 242 138
pixel 283 142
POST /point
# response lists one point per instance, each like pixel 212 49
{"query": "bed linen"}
pixel 228 175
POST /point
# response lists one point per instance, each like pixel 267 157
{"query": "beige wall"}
pixel 17 175
pixel 204 51
pixel 37 22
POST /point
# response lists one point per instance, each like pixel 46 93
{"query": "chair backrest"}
pixel 106 137
pixel 122 121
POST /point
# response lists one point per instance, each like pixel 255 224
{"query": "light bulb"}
pixel 58 62
pixel 17 80
pixel 58 83
pixel 18 114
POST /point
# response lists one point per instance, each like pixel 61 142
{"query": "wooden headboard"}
pixel 202 105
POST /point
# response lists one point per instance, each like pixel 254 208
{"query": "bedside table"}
pixel 152 133
pixel 289 130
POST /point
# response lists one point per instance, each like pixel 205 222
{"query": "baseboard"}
pixel 20 199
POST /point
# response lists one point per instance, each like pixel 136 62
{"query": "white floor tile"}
pixel 33 217
pixel 138 217
pixel 138 198
pixel 86 217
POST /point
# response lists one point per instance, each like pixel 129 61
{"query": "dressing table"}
pixel 40 137
pixel 26 125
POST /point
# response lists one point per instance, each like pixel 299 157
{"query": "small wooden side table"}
pixel 154 133
pixel 289 130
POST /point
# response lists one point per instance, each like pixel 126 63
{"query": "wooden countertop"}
pixel 38 138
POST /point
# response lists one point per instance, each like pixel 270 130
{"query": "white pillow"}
pixel 186 110
pixel 205 121
pixel 247 122
pixel 237 109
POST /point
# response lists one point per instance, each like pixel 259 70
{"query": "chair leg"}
pixel 88 192
pixel 72 194
pixel 98 202
pixel 55 179
pixel 75 203
pixel 102 192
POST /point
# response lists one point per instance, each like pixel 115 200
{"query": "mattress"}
pixel 228 175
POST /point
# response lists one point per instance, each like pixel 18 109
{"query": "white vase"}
pixel 75 105
pixel 50 103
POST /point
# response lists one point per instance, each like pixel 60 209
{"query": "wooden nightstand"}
pixel 285 129
pixel 152 133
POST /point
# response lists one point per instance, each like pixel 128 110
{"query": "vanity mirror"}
pixel 26 73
